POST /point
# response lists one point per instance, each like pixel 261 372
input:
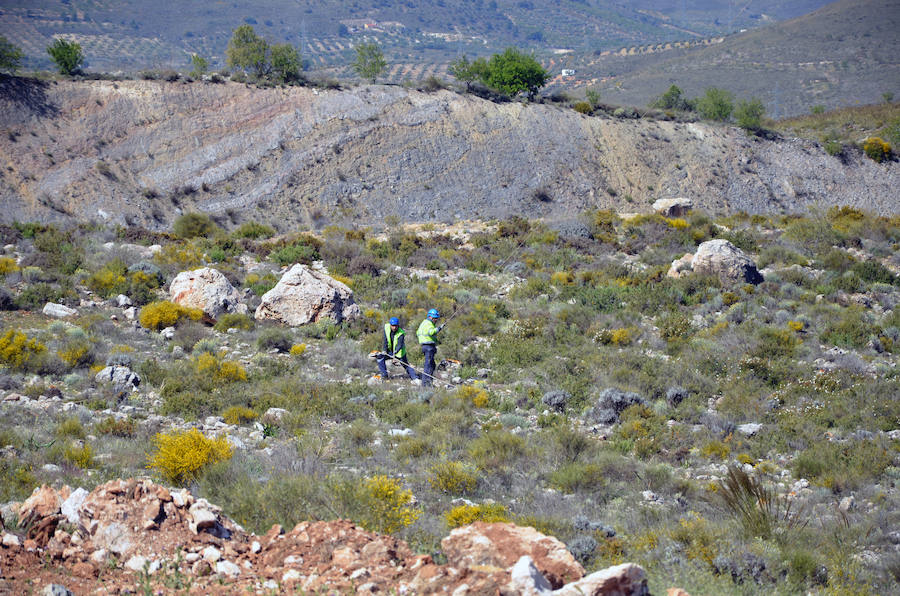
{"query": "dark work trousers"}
pixel 382 367
pixel 428 350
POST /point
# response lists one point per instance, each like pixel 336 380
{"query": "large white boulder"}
pixel 208 290
pixel 304 295
pixel 726 261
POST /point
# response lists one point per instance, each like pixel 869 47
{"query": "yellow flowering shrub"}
pixel 452 478
pixel 239 415
pixel 390 507
pixel 677 222
pixel 17 350
pixel 181 456
pixel 81 457
pixel 162 314
pixel 297 350
pixel 877 149
pixel 75 353
pixel 562 278
pixel 795 326
pixel 622 336
pixel 8 265
pixel 219 369
pixel 464 515
pixel 476 395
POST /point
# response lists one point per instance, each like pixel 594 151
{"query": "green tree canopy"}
pixel 513 72
pixel 67 55
pixel 468 72
pixel 200 64
pixel 10 55
pixel 673 99
pixel 248 52
pixel 749 114
pixel 286 64
pixel 716 104
pixel 370 61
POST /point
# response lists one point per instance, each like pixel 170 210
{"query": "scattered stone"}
pixel 56 590
pixel 847 504
pixel 228 569
pixel 43 502
pixel 123 301
pixel 304 295
pixel 58 311
pixel 10 540
pixel 681 266
pixel 207 289
pixel 136 563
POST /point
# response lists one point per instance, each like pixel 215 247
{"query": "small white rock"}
pixel 228 568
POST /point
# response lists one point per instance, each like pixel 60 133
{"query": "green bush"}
pixel 577 476
pixel 234 320
pixel 194 225
pixel 496 449
pixel 452 478
pixel 275 338
pixel 583 107
pixel 254 230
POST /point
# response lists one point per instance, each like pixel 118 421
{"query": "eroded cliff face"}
pixel 142 152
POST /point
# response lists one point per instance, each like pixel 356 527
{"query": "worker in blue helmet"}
pixel 394 344
pixel 427 336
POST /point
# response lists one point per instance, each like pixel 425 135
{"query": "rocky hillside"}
pixel 143 152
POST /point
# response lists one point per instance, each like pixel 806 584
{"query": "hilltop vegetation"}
pixel 730 437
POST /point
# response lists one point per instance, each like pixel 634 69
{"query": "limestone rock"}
pixel 120 377
pixel 503 544
pixel 676 207
pixel 525 579
pixel 304 295
pixel 58 311
pixel 726 261
pixel 71 505
pixel 626 579
pixel 43 502
pixel 208 290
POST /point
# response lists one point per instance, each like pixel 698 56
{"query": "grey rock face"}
pixel 304 295
pixel 673 207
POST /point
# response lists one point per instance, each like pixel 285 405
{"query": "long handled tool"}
pixel 421 373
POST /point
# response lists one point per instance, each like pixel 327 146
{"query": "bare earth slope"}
pixel 141 152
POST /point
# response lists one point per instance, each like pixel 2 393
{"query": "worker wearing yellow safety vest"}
pixel 427 336
pixel 394 344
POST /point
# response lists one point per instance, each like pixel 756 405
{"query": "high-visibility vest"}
pixel 392 341
pixel 426 332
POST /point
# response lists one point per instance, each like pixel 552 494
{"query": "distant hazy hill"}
pixel 845 53
pixel 135 34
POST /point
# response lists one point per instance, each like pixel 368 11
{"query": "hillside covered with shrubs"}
pixel 730 437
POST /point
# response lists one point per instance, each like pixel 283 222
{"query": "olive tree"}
pixel 716 104
pixel 67 55
pixel 370 61
pixel 749 114
pixel 10 55
pixel 286 64
pixel 248 51
pixel 513 72
pixel 468 71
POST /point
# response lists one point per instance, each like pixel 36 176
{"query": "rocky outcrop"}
pixel 304 295
pixel 58 311
pixel 673 207
pixel 149 528
pixel 120 377
pixel 208 290
pixel 270 157
pixel 720 258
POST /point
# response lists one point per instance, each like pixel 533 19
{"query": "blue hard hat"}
pixel 394 321
pixel 434 314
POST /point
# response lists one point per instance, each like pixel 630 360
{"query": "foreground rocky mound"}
pixel 133 530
